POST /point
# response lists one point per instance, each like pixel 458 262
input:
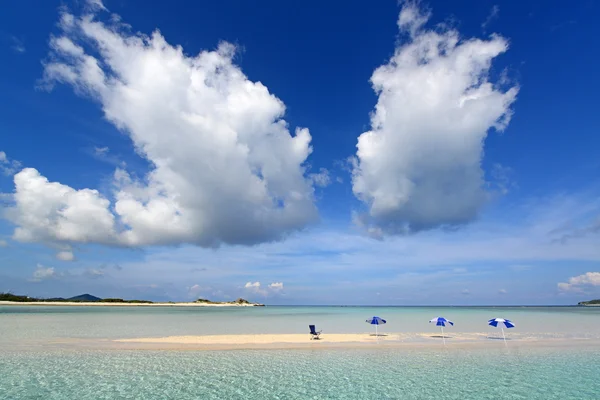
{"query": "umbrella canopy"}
pixel 376 321
pixel 501 321
pixel 441 321
pixel 494 322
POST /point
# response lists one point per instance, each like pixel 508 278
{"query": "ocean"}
pixel 39 361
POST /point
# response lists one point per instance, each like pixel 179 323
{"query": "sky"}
pixel 356 152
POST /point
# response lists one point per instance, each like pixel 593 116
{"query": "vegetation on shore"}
pixel 238 301
pixel 84 298
pixel 590 303
pixel 87 298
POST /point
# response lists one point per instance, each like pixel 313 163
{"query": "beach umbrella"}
pixel 441 322
pixel 501 321
pixel 376 321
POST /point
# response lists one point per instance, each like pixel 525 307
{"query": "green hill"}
pixel 84 297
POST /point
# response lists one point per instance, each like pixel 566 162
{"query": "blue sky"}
pixel 339 153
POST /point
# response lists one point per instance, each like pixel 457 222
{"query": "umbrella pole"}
pixel 443 337
pixel 376 332
pixel 503 337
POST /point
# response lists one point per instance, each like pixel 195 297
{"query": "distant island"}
pixel 90 300
pixel 595 303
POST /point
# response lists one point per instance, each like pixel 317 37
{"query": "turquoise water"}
pixel 301 374
pixel 22 323
pixel 33 366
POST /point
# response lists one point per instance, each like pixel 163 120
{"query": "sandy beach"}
pixel 262 339
pixel 345 340
pixel 100 304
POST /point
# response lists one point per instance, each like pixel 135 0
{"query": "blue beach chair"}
pixel 313 332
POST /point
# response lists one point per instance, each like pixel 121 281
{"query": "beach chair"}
pixel 313 332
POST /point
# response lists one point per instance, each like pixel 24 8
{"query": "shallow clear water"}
pixel 302 374
pixel 32 368
pixel 20 323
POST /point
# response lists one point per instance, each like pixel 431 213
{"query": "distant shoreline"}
pixel 109 304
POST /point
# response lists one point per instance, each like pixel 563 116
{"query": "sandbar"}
pixel 345 340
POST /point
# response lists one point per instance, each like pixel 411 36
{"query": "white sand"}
pixel 337 340
pixel 98 304
pixel 263 339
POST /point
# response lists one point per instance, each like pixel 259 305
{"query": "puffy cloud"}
pixel 276 286
pixel 581 282
pixel 3 243
pixel 502 291
pixel 42 273
pixel 252 285
pixel 65 256
pixel 255 287
pixel 419 167
pixel 49 211
pixel 225 167
pixel 7 166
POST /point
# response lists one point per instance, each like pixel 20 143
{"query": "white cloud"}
pixel 256 287
pixel 494 12
pixel 419 167
pixel 3 243
pixel 225 167
pixel 65 256
pixel 42 273
pixel 466 292
pixel 94 273
pixel 7 166
pixel 502 291
pixel 276 286
pixel 194 291
pixel 101 151
pixel 49 211
pixel 581 282
pixel 96 5
pixel 17 45
pixel 322 178
pixel 252 285
pixel 104 154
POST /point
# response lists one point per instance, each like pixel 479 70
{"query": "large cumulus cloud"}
pixel 419 166
pixel 225 167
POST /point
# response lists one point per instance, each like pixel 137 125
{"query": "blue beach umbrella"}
pixel 376 321
pixel 441 322
pixel 507 323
